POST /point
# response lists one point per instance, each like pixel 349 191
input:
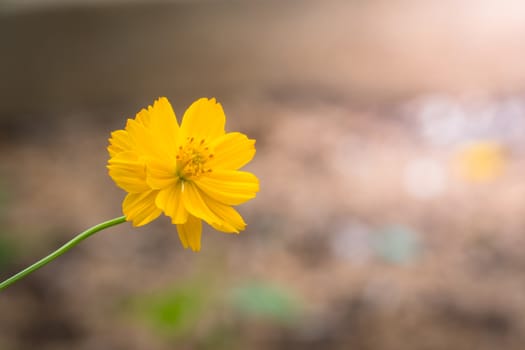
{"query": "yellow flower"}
pixel 481 161
pixel 190 172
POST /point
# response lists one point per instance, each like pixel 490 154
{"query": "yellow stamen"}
pixel 192 158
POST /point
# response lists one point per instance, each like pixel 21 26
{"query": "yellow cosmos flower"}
pixel 481 161
pixel 190 172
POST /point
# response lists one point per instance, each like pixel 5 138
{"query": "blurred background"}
pixel 390 149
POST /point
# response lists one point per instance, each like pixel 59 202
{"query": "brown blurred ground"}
pixel 345 100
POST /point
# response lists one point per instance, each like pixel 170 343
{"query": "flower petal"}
pixel 129 172
pixel 163 125
pixel 195 204
pixel 232 151
pixel 204 119
pixel 170 201
pixel 154 131
pixel 232 221
pixel 140 208
pixel 190 233
pixel 229 187
pixel 143 139
pixel 119 142
pixel 143 117
pixel 161 173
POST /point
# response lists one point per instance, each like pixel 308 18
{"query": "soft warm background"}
pixel 391 154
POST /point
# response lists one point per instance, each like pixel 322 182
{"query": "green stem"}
pixel 44 261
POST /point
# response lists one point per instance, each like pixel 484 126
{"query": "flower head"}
pixel 190 172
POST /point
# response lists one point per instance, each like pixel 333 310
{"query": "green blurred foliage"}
pixel 262 300
pixel 177 313
pixel 4 198
pixel 7 246
pixel 8 250
pixel 173 312
pixel 397 244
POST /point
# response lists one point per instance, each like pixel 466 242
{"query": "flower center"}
pixel 192 158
